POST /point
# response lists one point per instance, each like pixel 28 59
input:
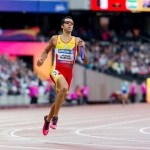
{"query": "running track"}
pixel 86 127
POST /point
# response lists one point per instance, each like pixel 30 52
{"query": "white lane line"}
pixel 10 146
pixel 83 144
pixel 120 123
pixel 68 118
pixel 117 128
pixel 94 120
pixel 71 123
pixel 114 124
pixel 78 131
pixel 142 130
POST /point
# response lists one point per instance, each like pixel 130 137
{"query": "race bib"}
pixel 55 73
pixel 65 55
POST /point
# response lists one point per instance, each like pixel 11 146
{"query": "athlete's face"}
pixel 68 25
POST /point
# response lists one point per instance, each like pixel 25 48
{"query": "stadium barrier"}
pixel 100 85
pixel 100 88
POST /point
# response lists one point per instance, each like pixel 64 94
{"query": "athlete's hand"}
pixel 39 62
pixel 81 43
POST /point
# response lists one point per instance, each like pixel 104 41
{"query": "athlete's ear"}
pixel 62 26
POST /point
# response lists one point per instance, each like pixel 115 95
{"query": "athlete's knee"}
pixel 64 89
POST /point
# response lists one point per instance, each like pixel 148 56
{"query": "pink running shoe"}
pixel 45 126
pixel 53 123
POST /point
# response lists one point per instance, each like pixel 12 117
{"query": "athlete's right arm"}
pixel 48 48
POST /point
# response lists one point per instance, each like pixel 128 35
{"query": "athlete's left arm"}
pixel 80 43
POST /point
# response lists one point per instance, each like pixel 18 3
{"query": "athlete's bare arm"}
pixel 51 44
pixel 80 42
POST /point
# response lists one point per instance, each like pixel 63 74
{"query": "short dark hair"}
pixel 63 20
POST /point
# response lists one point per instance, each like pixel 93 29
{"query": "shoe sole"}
pixel 53 128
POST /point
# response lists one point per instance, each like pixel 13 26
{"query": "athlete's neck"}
pixel 66 35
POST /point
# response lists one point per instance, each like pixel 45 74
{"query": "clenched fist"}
pixel 39 62
pixel 80 43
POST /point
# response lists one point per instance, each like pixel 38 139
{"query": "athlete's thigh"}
pixel 59 78
pixel 62 83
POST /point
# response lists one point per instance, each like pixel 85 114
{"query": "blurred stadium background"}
pixel 117 35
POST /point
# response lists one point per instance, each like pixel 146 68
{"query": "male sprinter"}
pixel 66 49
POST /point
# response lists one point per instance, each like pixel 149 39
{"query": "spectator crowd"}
pixel 17 79
pixel 126 58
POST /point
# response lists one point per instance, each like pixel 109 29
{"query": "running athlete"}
pixel 66 49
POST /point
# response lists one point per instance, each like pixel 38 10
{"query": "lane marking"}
pixel 120 123
pixel 142 130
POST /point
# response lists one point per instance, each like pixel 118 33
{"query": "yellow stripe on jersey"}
pixel 69 46
pixel 65 53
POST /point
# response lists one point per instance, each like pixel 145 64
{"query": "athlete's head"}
pixel 67 24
